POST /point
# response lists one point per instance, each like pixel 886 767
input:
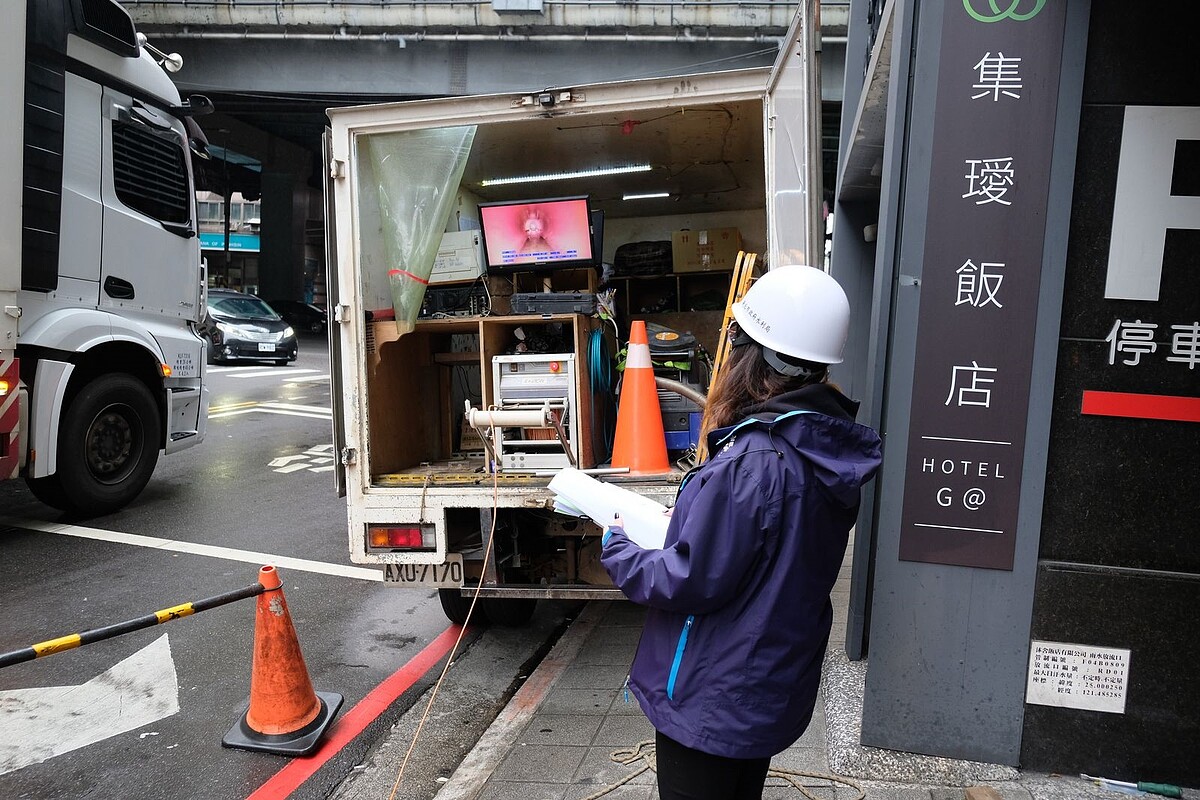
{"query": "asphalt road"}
pixel 258 490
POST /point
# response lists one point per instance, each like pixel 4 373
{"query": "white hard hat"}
pixel 798 311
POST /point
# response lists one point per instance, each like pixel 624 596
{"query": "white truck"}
pixel 101 280
pixel 663 157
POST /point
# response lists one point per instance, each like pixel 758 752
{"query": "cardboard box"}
pixel 711 250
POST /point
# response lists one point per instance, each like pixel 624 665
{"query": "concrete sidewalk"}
pixel 555 738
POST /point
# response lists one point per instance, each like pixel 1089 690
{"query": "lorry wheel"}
pixel 454 605
pixel 108 444
pixel 510 612
pixel 49 490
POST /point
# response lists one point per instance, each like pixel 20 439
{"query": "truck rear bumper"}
pixel 577 592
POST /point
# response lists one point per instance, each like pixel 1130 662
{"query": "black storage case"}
pixel 554 303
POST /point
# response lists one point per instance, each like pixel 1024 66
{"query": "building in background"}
pixel 232 264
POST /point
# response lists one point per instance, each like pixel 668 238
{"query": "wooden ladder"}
pixel 743 273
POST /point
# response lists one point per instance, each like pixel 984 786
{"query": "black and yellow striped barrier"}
pixel 109 631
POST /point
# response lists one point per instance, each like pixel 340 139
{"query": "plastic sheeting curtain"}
pixel 416 175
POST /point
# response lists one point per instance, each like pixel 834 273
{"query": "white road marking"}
pixel 324 377
pixel 294 407
pixel 287 409
pixel 47 721
pixel 309 459
pixel 283 461
pixel 288 413
pixel 274 373
pixel 228 553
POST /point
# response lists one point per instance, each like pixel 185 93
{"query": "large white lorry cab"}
pixel 729 154
pixel 101 283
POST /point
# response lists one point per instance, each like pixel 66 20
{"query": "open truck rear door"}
pixel 795 225
pixel 334 315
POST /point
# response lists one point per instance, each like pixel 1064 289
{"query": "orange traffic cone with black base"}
pixel 641 443
pixel 284 715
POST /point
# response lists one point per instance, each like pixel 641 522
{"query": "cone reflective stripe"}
pixel 285 715
pixel 641 444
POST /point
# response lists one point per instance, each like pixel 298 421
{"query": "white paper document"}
pixel 581 495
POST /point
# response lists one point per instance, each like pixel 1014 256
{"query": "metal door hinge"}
pixel 341 313
pixel 349 456
pixel 337 168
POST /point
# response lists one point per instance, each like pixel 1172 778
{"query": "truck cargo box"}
pixel 736 149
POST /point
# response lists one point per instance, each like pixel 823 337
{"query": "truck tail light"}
pixel 401 537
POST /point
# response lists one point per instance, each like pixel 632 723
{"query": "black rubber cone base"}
pixel 298 743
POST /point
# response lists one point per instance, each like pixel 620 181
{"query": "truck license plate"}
pixel 432 576
pixel 266 347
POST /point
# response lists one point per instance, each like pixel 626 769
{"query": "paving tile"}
pixel 620 793
pixel 802 759
pixel 502 790
pixel 623 731
pixel 599 770
pixel 599 652
pixel 589 702
pixel 948 793
pixel 623 613
pixel 886 791
pixel 561 729
pixel 813 738
pixel 779 790
pixel 626 705
pixel 540 764
pixel 624 635
pixel 592 676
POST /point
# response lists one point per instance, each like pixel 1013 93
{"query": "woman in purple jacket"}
pixel 729 661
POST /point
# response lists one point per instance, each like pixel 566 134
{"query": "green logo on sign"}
pixel 1009 13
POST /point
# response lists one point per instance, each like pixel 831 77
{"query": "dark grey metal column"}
pixel 950 625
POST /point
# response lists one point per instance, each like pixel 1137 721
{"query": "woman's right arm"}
pixel 716 537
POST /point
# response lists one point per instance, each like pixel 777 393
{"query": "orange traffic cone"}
pixel 285 715
pixel 640 443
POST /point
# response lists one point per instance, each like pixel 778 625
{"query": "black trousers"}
pixel 687 774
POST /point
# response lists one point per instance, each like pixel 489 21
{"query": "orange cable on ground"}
pixel 487 554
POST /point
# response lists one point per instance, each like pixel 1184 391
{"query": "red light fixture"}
pixel 396 537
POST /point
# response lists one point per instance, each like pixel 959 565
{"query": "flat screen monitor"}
pixel 537 234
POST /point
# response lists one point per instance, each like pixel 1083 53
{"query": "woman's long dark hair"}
pixel 746 380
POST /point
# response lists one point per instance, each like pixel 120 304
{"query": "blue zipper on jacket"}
pixel 679 648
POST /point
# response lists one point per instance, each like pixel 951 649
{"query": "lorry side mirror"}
pixel 197 105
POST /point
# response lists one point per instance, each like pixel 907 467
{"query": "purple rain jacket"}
pixel 739 615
